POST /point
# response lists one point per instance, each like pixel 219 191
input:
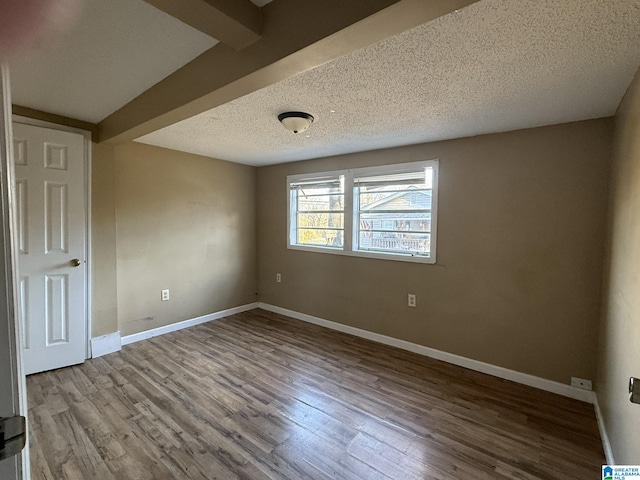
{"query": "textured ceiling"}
pixel 116 50
pixel 494 66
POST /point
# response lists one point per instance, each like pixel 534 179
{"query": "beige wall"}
pixel 104 315
pixel 518 274
pixel 186 223
pixel 619 353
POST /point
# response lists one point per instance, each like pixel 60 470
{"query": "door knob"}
pixel 76 262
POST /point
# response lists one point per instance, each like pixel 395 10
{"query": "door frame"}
pixel 20 468
pixel 88 288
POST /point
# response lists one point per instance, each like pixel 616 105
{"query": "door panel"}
pixel 56 213
pixel 51 223
pixel 22 196
pixel 57 320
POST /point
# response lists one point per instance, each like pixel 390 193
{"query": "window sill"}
pixel 398 257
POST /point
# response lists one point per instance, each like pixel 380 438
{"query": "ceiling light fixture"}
pixel 296 122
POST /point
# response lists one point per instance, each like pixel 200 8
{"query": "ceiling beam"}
pixel 237 23
pixel 297 36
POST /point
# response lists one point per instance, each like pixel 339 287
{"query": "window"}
pixel 317 211
pixel 380 212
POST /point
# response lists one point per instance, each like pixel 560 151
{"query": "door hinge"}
pixel 13 436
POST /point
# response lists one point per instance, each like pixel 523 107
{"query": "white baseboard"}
pixel 105 344
pixel 501 372
pixel 606 444
pixel 154 332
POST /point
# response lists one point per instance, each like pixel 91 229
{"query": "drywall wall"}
pixel 104 310
pixel 184 223
pixel 520 248
pixel 619 352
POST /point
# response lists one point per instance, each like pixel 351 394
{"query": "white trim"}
pixel 154 332
pixel 88 163
pixel 105 344
pixel 18 466
pixel 501 372
pixel 399 257
pixel 87 201
pixel 606 444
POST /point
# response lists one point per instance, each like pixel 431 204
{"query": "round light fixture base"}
pixel 296 122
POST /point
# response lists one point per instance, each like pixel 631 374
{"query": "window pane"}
pixel 395 197
pixel 417 243
pixel 394 212
pixel 319 201
pixel 320 220
pixel 321 237
pixel 401 222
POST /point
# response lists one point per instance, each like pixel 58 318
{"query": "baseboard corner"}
pixel 106 344
pixel 606 444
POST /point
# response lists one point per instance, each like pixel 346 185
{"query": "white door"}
pixel 12 387
pixel 50 203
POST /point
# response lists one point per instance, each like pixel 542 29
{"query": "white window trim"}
pixel 350 214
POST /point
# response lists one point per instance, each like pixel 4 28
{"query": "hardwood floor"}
pixel 258 395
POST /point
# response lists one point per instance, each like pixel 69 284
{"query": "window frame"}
pixel 350 216
pixel 293 226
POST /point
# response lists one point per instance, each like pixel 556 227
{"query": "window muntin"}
pixel 380 212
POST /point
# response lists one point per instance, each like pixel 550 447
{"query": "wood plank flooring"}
pixel 261 396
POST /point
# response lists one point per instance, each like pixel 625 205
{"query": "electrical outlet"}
pixel 278 278
pixel 581 383
pixel 411 299
pixel 164 295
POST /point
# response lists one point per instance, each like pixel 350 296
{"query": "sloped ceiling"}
pixel 496 65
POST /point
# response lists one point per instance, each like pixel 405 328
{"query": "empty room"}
pixel 293 239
